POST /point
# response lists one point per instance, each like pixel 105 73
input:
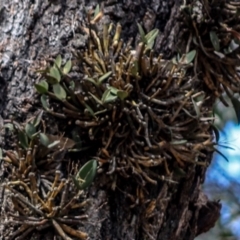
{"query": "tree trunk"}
pixel 32 32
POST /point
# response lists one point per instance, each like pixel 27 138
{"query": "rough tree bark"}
pixel 34 31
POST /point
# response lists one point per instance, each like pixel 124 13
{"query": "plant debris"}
pixel 143 111
pixel 41 193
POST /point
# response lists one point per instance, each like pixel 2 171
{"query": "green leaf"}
pixel 44 101
pixel 189 57
pixel 122 94
pixel 108 91
pixel 142 33
pixel 174 60
pixel 58 61
pixel 54 73
pixel 97 10
pixel 96 99
pixel 236 106
pixel 37 119
pixel 89 110
pixel 23 139
pixel 59 91
pixel 86 174
pixel 113 90
pixel 42 87
pixel 108 96
pixel 44 140
pixel 30 130
pixel 105 76
pixel 92 81
pixel 215 41
pixel 67 67
pixel 150 37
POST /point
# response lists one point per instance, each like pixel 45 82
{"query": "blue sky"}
pixel 230 137
pixel 224 173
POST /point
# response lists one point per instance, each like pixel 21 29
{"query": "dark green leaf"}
pixel 37 119
pixel 30 130
pixel 54 73
pixel 215 41
pixel 58 61
pixel 42 87
pixel 67 67
pixel 86 174
pixel 23 139
pixel 141 32
pixel 236 106
pixel 44 139
pixel 59 91
pixel 44 101
pixel 89 110
pixel 105 76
